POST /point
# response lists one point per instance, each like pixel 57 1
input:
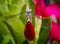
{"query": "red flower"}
pixel 29 31
pixel 39 8
pixel 55 32
pixel 46 11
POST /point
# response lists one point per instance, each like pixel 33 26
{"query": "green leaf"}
pixel 45 29
pixel 16 29
pixel 10 7
pixel 23 14
pixel 3 28
pixel 4 31
pixel 6 39
pixel 1 38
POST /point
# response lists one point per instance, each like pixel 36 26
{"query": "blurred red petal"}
pixel 39 8
pixel 35 1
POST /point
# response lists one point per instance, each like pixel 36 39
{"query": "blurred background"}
pixel 13 22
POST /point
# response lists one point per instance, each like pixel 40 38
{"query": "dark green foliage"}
pixel 45 29
pixel 23 14
pixel 25 42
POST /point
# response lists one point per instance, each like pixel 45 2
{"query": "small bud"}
pixel 29 31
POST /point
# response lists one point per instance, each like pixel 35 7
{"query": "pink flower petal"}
pixel 55 32
pixel 40 10
pixel 52 9
pixel 35 1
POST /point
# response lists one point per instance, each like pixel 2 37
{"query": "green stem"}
pixel 38 22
